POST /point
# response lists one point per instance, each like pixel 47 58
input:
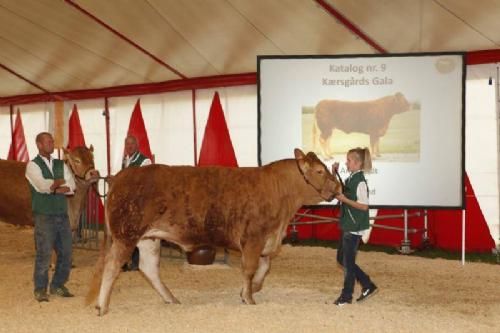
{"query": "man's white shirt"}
pixel 130 159
pixel 42 185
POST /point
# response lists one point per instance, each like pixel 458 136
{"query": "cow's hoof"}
pixel 100 312
pixel 173 301
pixel 248 301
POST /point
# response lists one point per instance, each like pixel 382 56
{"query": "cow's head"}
pixel 317 175
pixel 81 162
pixel 400 104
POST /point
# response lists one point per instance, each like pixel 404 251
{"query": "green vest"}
pixel 352 219
pixel 49 204
pixel 136 160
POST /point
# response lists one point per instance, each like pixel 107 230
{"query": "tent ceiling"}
pixel 76 45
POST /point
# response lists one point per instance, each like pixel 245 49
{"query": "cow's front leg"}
pixel 250 264
pixel 260 274
pixel 149 264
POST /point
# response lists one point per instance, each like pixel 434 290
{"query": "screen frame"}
pixel 461 205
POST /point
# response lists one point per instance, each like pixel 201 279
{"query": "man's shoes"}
pixel 41 295
pixel 61 291
pixel 341 301
pixel 367 292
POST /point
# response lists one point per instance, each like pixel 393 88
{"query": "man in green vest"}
pixel 133 158
pixel 50 181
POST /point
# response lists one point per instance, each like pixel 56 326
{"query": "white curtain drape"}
pixel 481 141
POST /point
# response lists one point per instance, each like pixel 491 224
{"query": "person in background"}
pixel 133 158
pixel 50 181
pixel 354 221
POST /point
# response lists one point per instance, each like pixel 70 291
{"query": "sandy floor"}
pixel 416 295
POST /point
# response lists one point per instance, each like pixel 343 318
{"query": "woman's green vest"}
pixel 49 204
pixel 352 219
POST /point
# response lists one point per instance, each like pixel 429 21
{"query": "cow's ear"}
pixel 301 160
pixel 91 148
pixel 299 155
pixel 66 154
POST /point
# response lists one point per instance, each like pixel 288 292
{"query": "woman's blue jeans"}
pixel 346 256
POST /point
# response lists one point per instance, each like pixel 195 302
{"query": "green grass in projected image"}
pixel 401 143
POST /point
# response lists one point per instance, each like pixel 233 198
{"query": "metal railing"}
pixel 405 242
pixel 86 235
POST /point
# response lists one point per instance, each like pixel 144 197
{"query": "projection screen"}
pixel 408 109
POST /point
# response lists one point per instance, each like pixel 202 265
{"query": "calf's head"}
pixel 317 175
pixel 399 104
pixel 81 162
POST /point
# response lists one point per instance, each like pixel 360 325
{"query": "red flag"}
pixel 138 130
pixel 76 139
pixel 217 148
pixel 18 150
pixel 75 133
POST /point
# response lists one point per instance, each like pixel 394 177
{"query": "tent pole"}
pixel 12 144
pixel 497 106
pixel 349 25
pixel 405 243
pixel 426 226
pixel 463 237
pixel 193 94
pixel 108 152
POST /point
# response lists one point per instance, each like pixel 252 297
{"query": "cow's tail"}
pixel 95 284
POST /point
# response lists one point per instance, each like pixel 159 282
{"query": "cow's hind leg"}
pixel 116 257
pixel 250 264
pixel 260 274
pixel 149 264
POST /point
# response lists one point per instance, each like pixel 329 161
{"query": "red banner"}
pixel 18 150
pixel 217 148
pixel 138 130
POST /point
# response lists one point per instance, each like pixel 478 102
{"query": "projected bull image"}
pixel 339 124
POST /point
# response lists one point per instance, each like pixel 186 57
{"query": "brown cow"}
pixel 244 209
pixel 368 117
pixel 15 194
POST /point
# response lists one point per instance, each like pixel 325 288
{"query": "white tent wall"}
pixel 481 144
pixel 5 133
pixel 240 111
pixel 93 125
pixel 168 119
pixel 36 118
